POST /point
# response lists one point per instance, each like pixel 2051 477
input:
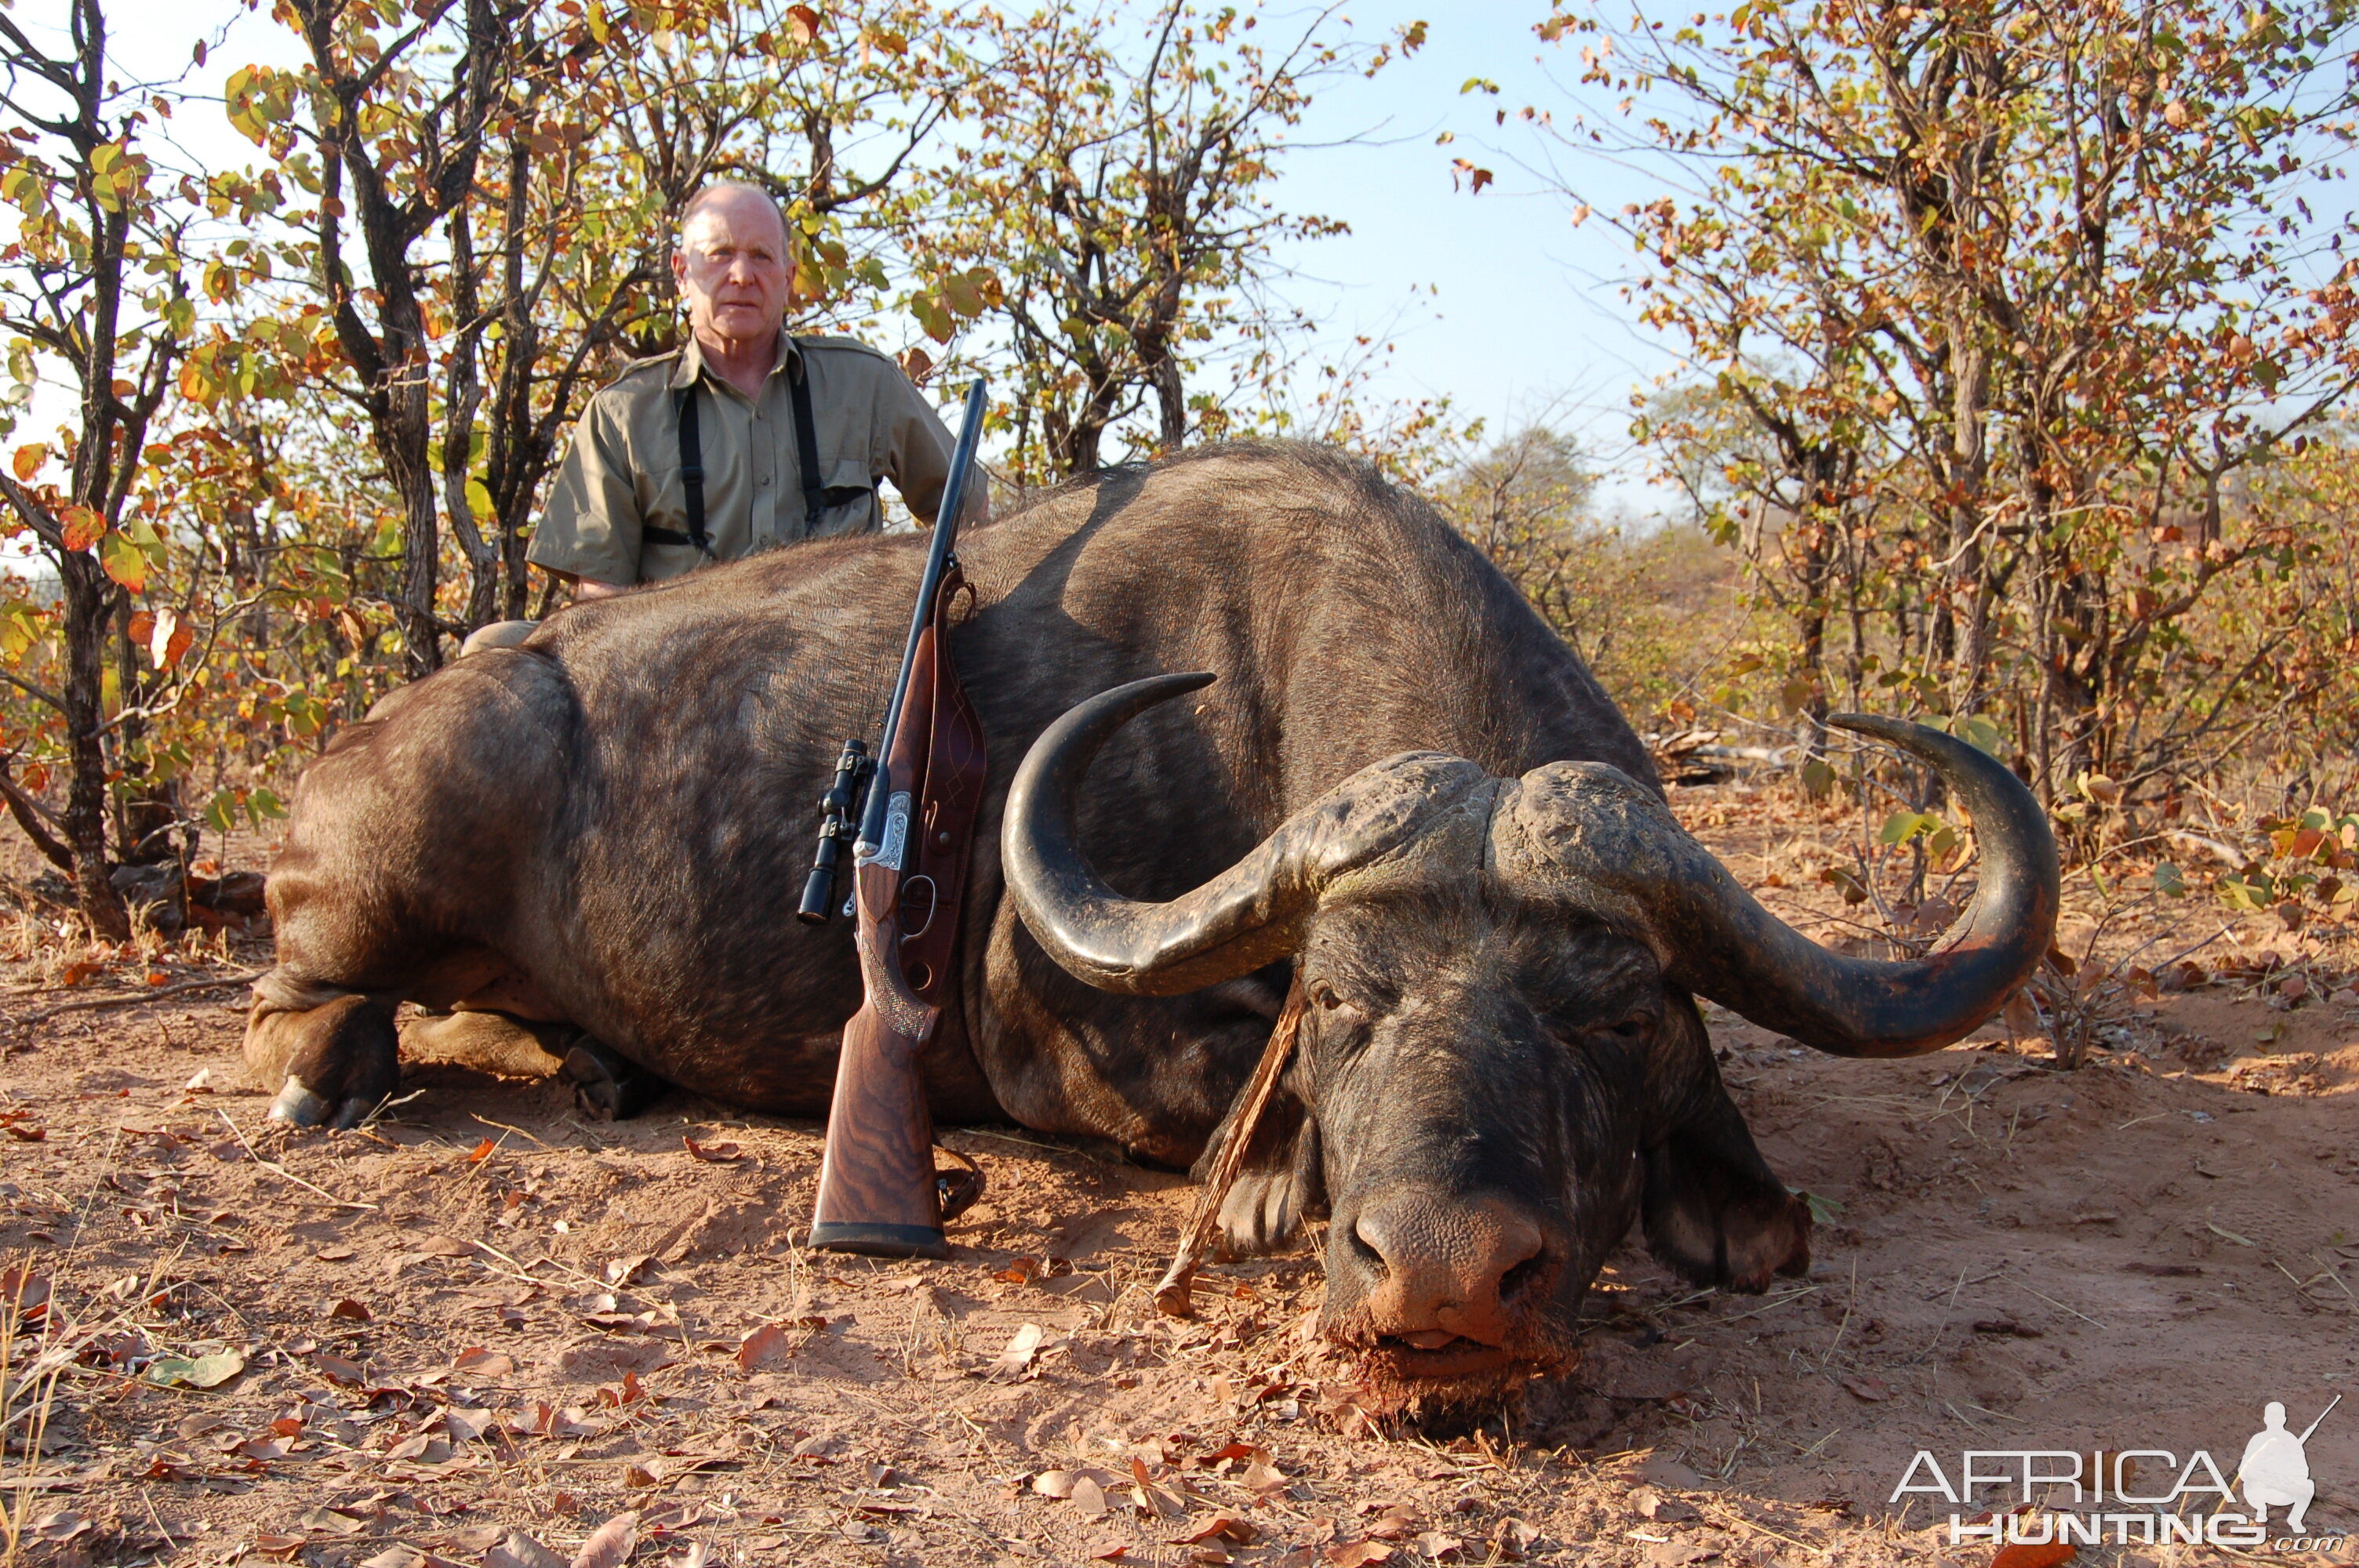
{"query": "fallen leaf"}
pixel 1016 1356
pixel 763 1348
pixel 336 1370
pixel 1876 1390
pixel 2047 1554
pixel 280 1545
pixel 202 1084
pixel 478 1362
pixel 610 1546
pixel 1021 1271
pixel 1436 1547
pixel 1263 1477
pixel 521 1550
pixel 465 1425
pixel 715 1153
pixel 1220 1527
pixel 195 1372
pixel 445 1246
pixel 328 1521
pixel 1356 1553
pixel 1055 1482
pixel 334 1254
pixel 396 1556
pixel 621 1272
pixel 1679 1553
pixel 348 1308
pixel 481 1151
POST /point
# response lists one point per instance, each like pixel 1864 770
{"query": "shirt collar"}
pixel 691 361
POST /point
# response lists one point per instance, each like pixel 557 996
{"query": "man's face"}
pixel 731 268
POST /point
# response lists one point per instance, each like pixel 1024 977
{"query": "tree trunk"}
pixel 89 595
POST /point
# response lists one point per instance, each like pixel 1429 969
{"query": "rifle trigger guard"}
pixel 933 899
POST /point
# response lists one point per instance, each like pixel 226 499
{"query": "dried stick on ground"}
pixel 1173 1292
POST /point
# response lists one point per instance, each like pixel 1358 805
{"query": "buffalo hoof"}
pixel 1261 1212
pixel 342 1063
pixel 300 1107
pixel 609 1088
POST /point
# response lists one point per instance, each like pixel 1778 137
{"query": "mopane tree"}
pixel 2011 296
pixel 93 295
pixel 1117 209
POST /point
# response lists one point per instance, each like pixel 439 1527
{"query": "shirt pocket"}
pixel 663 503
pixel 847 501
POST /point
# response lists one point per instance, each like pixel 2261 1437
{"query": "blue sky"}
pixel 1495 300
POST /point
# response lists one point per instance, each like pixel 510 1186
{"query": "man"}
pixel 744 439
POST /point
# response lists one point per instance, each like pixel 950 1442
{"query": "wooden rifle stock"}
pixel 879 1193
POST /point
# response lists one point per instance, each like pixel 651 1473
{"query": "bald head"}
pixel 744 201
pixel 733 266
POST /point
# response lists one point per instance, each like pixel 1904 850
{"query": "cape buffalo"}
pixel 1403 790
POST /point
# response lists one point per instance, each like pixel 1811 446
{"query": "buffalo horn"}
pixel 1618 853
pixel 1241 919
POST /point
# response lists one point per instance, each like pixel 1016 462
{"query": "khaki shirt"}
pixel 622 473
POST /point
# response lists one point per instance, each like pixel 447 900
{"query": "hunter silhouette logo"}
pixel 2276 1466
pixel 2036 1497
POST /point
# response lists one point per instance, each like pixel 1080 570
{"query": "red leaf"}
pixel 348 1308
pixel 764 1347
pixel 715 1154
pixel 481 1152
pixel 83 527
pixel 483 1363
pixel 2048 1555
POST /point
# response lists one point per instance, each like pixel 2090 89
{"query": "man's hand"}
pixel 587 588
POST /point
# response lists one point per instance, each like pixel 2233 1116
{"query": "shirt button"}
pixel 765 482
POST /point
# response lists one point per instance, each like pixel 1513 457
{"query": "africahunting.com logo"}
pixel 2036 1497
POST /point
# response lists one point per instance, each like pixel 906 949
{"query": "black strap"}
pixel 806 441
pixel 817 497
pixel 692 478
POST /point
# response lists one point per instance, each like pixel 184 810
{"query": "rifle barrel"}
pixel 946 520
pixel 2329 1411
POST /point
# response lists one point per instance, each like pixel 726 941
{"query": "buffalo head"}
pixel 1500 1068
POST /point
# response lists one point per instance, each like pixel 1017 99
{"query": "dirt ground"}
pixel 482 1329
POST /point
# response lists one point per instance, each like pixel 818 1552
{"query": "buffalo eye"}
pixel 1324 995
pixel 1632 1027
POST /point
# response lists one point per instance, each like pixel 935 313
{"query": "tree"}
pixel 93 286
pixel 1117 217
pixel 2012 294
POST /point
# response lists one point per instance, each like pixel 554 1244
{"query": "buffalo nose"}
pixel 1446 1261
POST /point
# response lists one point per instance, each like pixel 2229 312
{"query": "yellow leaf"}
pixel 124 562
pixel 29 460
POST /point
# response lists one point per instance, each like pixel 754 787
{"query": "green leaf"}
pixel 1816 776
pixel 2168 881
pixel 1978 732
pixel 195 1372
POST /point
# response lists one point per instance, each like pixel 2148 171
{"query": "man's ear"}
pixel 1714 1209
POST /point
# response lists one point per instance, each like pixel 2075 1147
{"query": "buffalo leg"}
pixel 1281 1184
pixel 335 1063
pixel 606 1086
pixel 1714 1210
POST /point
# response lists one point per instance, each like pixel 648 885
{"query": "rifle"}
pixel 878 1191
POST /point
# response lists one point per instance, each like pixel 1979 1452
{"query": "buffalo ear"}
pixel 1714 1209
